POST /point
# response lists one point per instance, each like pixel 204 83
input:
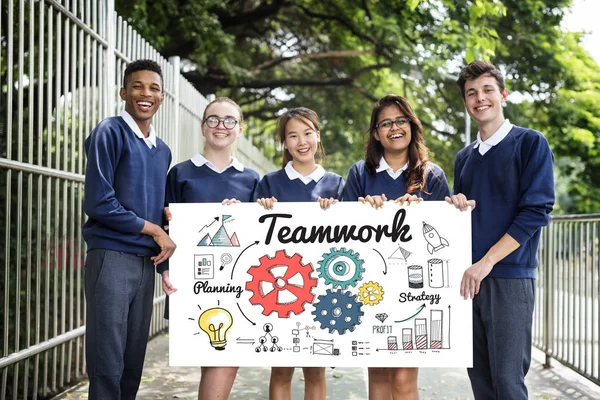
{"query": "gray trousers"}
pixel 502 321
pixel 119 293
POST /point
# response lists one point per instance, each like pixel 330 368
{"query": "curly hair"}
pixel 418 153
pixel 142 65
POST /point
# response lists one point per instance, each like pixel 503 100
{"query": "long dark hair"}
pixel 418 153
pixel 305 115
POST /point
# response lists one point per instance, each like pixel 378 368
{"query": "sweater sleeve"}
pixel 353 189
pixel 172 195
pixel 536 189
pixel 255 182
pixel 340 189
pixel 103 149
pixel 437 184
pixel 458 164
pixel 173 189
pixel 263 190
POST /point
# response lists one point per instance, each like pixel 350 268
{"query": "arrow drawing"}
pixel 449 326
pixel 208 226
pixel 384 263
pixel 245 341
pixel 236 260
pixel 238 304
pixel 414 315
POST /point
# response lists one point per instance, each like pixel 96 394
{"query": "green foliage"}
pixel 569 116
pixel 339 57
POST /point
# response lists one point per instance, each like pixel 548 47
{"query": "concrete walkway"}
pixel 161 382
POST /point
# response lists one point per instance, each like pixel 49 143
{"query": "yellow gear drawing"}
pixel 370 293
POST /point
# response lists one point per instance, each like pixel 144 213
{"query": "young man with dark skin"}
pixel 508 172
pixel 124 197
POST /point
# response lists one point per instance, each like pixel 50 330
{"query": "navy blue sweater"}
pixel 124 187
pixel 188 183
pixel 360 184
pixel 513 184
pixel 278 185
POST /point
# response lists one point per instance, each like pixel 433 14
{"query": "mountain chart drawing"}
pixel 221 237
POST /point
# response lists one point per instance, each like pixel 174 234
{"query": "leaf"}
pixel 470 56
pixel 413 4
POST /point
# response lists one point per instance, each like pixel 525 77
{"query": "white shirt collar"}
pixel 497 137
pixel 199 160
pixel 292 174
pixel 150 140
pixel 384 166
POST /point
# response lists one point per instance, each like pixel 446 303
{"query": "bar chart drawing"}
pixel 421 333
pixel 437 317
pixel 392 343
pixel 436 337
pixel 407 343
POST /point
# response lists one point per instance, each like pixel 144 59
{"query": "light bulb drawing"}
pixel 216 322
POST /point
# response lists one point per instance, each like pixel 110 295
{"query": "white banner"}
pixel 298 286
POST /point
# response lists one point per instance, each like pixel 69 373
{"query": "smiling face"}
pixel 301 140
pixel 483 100
pixel 394 139
pixel 219 137
pixel 143 95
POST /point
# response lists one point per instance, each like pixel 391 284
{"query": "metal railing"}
pixel 566 323
pixel 62 63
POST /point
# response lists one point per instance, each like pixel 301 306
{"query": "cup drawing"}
pixel 415 276
pixel 436 273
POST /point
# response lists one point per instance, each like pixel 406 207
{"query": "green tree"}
pixel 570 117
pixel 338 57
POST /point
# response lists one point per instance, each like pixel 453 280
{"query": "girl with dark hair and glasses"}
pixel 396 167
pixel 213 176
pixel 301 179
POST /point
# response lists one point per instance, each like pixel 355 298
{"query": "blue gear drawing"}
pixel 341 268
pixel 337 310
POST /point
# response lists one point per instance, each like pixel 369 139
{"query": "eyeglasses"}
pixel 213 121
pixel 387 124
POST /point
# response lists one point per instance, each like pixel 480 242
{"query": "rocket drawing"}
pixel 434 241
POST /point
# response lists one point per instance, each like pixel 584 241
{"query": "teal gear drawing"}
pixel 338 310
pixel 341 268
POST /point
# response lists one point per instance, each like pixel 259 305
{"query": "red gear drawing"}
pixel 262 273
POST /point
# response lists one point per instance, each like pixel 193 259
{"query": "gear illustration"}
pixel 281 284
pixel 341 268
pixel 337 310
pixel 370 293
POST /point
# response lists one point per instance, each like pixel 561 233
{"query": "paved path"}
pixel 161 382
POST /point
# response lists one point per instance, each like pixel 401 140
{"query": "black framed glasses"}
pixel 387 124
pixel 213 121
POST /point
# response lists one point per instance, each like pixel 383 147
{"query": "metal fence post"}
pixel 176 62
pixel 546 234
pixel 110 64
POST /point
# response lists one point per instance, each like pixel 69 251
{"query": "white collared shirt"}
pixel 292 174
pixel 497 137
pixel 150 140
pixel 384 166
pixel 199 160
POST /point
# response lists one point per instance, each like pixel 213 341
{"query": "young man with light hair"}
pixel 508 174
